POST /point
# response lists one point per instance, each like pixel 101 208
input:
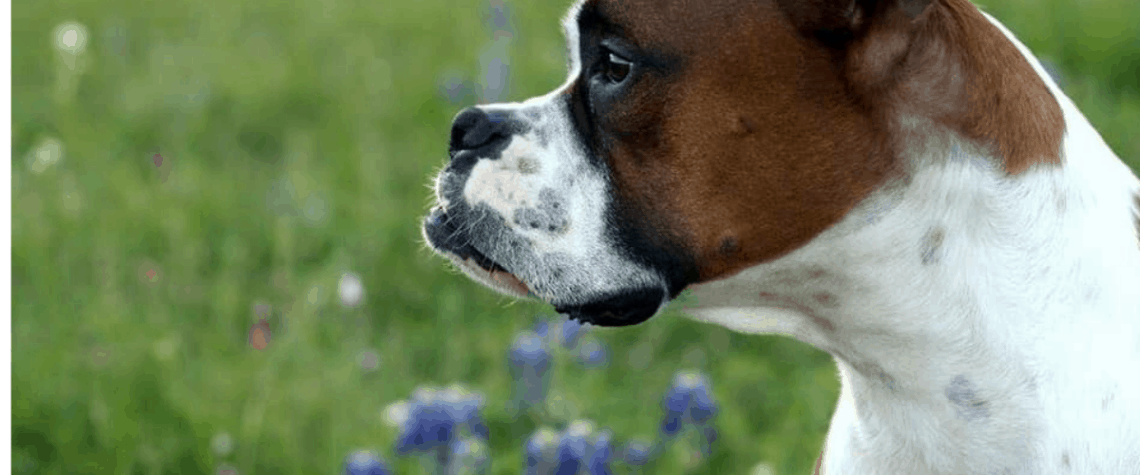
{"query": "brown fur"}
pixel 765 137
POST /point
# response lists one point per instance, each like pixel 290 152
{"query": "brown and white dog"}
pixel 898 183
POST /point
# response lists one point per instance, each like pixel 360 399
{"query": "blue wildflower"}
pixel 598 461
pixel 365 462
pixel 572 449
pixel 690 398
pixel 530 363
pixel 637 452
pixel 569 331
pixel 592 353
pixel 429 427
pixel 541 451
pixel 463 407
pixel 468 456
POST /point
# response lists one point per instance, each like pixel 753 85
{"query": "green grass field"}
pixel 297 142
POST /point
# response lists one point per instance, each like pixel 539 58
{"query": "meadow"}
pixel 217 265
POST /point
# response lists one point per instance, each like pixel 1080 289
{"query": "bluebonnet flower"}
pixel 495 61
pixel 530 363
pixel 498 17
pixel 560 331
pixel 456 87
pixel 689 404
pixel 690 398
pixel 429 427
pixel 463 406
pixel 703 406
pixel 592 353
pixel 469 456
pixel 444 427
pixel 672 424
pixel 542 328
pixel 600 453
pixel 541 452
pixel 636 452
pixel 365 462
pixel 572 448
pixel 569 332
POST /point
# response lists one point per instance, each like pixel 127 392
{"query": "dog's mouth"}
pixel 446 236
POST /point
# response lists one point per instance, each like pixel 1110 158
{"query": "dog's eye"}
pixel 616 68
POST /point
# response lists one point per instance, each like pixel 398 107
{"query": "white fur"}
pixel 546 160
pixel 1032 313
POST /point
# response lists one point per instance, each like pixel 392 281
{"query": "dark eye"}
pixel 616 68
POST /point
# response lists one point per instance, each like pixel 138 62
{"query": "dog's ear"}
pixel 871 39
pixel 838 22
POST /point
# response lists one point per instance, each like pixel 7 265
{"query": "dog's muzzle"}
pixel 446 236
pixel 479 239
pixel 474 134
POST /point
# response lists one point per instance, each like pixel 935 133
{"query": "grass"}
pixel 296 141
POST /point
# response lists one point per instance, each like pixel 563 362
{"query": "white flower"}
pixel 351 290
pixel 47 153
pixel 71 38
pixel 396 414
pixel 580 428
pixel 763 468
pixel 222 444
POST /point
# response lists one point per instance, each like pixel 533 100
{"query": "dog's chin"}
pixel 616 309
pixel 622 309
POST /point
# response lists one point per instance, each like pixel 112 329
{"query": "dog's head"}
pixel 693 139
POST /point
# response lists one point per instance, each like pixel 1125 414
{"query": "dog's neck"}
pixel 982 322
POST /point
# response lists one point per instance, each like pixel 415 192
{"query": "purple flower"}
pixel 456 88
pixel 690 398
pixel 429 426
pixel 468 456
pixel 703 405
pixel 598 461
pixel 542 328
pixel 592 353
pixel 571 452
pixel 463 408
pixel 529 351
pixel 689 403
pixel 540 452
pixel 498 16
pixel 365 462
pixel 671 425
pixel 569 332
pixel 709 435
pixel 573 448
pixel 529 362
pixel 637 452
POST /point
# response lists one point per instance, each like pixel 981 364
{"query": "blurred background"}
pixel 217 265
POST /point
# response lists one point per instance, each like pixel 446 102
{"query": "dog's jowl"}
pixel 898 183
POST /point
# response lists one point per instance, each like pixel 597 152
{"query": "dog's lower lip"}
pixel 506 278
pixel 471 255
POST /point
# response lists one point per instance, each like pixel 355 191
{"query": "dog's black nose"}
pixel 474 129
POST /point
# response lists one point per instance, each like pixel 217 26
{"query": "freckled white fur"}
pixel 1034 300
pixel 590 267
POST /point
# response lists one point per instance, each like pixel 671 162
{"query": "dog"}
pixel 898 183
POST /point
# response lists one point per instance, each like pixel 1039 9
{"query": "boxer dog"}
pixel 898 183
